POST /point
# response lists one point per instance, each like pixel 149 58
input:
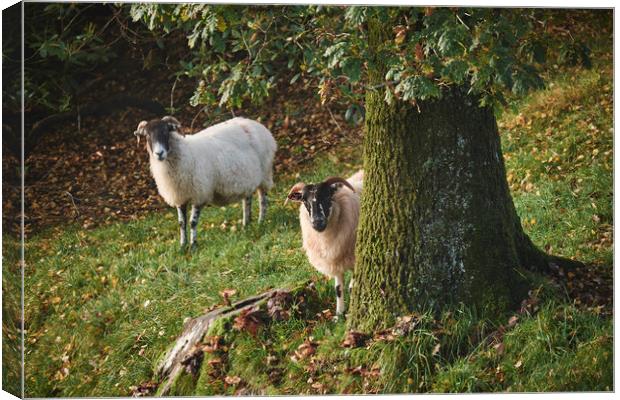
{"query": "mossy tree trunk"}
pixel 438 226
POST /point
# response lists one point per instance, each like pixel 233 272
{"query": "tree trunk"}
pixel 438 226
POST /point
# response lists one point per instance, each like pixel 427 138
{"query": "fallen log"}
pixel 186 353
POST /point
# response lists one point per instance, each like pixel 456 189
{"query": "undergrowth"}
pixel 553 346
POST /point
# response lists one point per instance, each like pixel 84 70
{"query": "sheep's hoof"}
pixel 194 247
pixel 338 317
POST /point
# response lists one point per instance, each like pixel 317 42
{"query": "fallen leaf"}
pixel 354 339
pixel 278 305
pixel 227 294
pixel 513 321
pixel 147 388
pixel 305 350
pixel 250 320
pixel 232 380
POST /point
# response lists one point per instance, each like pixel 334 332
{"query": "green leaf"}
pixel 352 68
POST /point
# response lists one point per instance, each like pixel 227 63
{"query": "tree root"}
pixel 186 351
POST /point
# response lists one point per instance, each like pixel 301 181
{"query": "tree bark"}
pixel 438 226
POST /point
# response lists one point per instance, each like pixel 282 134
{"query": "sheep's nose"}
pixel 160 155
pixel 319 226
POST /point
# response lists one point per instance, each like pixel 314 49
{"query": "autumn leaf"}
pixel 354 339
pixel 227 294
pixel 320 387
pixel 278 305
pixel 147 388
pixel 325 89
pixel 250 320
pixel 305 350
pixel 214 343
pixel 232 380
pixel 325 315
pixel 419 52
pixel 405 325
pixel 401 34
pixel 513 321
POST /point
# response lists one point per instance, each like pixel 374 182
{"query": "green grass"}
pixel 11 317
pixel 103 304
pixel 559 159
pixel 558 348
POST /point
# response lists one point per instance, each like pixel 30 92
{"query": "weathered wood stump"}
pixel 187 352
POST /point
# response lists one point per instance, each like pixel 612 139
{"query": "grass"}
pixel 11 317
pixel 542 355
pixel 559 348
pixel 559 158
pixel 102 305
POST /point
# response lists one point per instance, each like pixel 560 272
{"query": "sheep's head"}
pixel 318 199
pixel 157 134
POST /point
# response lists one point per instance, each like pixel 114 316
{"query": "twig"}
pixel 174 85
pixel 461 21
pixel 73 202
pixel 79 119
pixel 191 126
pixel 334 119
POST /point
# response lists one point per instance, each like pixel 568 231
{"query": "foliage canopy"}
pixel 239 52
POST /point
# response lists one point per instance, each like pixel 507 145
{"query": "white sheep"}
pixel 329 215
pixel 219 165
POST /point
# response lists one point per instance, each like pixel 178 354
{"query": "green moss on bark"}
pixel 183 385
pixel 438 226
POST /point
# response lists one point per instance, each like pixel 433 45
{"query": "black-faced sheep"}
pixel 219 165
pixel 329 215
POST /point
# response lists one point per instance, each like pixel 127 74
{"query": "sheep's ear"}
pixel 172 122
pixel 141 129
pixel 295 193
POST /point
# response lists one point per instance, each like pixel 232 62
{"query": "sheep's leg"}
pixel 194 224
pixel 247 210
pixel 262 200
pixel 339 294
pixel 351 284
pixel 182 213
